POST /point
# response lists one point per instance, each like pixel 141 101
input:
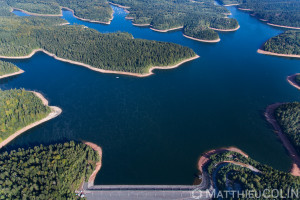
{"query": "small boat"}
pixel 117 77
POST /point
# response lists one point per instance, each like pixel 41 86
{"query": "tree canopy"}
pixel 19 108
pixel 7 68
pixel 46 172
pixel 285 43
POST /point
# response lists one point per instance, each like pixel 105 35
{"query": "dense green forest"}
pixel 195 16
pixel 234 177
pixel 280 12
pixel 115 51
pixel 88 9
pixel 285 43
pixel 18 108
pixel 19 36
pixel 288 117
pixel 7 68
pixel 46 172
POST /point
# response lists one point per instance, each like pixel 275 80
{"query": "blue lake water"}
pixel 20 13
pixel 153 130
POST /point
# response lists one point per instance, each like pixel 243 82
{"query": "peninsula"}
pixel 97 11
pixel 14 106
pixel 188 17
pixel 286 44
pixel 108 53
pixel 241 171
pixel 8 69
pixel 56 171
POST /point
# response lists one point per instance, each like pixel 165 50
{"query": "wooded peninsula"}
pixel 19 108
pixel 275 12
pixel 7 68
pixel 197 18
pixel 46 172
pixel 287 44
pixel 115 51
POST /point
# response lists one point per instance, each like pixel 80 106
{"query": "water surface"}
pixel 152 130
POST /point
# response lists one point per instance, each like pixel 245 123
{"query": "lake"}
pixel 154 129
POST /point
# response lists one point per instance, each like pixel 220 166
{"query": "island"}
pixel 55 171
pixel 117 53
pixel 97 11
pixel 284 14
pixel 8 69
pixel 198 20
pixel 286 44
pixel 22 110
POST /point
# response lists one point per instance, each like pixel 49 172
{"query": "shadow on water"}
pixel 152 130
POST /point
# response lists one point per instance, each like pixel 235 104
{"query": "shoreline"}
pixel 204 159
pixel 280 26
pixel 226 30
pixel 277 54
pixel 167 30
pixel 234 4
pixel 291 80
pixel 89 20
pixel 139 25
pixel 269 114
pixel 55 111
pixel 245 9
pixel 207 41
pixel 37 14
pixel 102 70
pixel 12 74
pixel 98 149
pixel 118 5
pixel 60 15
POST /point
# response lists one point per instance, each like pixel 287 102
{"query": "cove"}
pixel 153 130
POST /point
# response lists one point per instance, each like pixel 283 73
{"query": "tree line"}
pixel 88 9
pixel 237 178
pixel 7 68
pixel 280 12
pixel 285 43
pixel 19 108
pixel 46 172
pixel 288 117
pixel 195 16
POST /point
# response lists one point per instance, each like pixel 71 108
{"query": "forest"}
pixel 46 172
pixel 7 68
pixel 234 177
pixel 288 117
pixel 114 51
pixel 195 16
pixel 285 43
pixel 19 108
pixel 279 12
pixel 98 10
